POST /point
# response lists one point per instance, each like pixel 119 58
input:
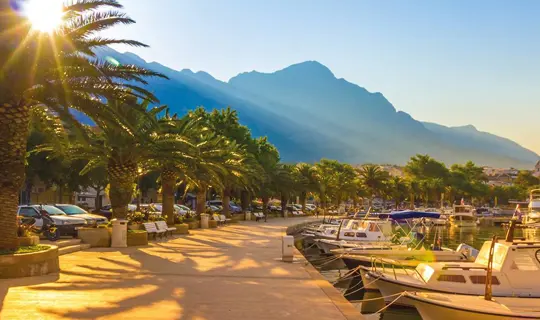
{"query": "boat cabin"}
pixel 361 230
pixel 516 271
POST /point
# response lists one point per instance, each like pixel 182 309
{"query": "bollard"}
pixel 287 249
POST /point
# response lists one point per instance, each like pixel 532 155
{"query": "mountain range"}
pixel 310 114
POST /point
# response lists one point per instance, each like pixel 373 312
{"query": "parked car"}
pixel 67 225
pixel 178 208
pixel 214 208
pixel 78 212
pixel 106 211
pixel 219 203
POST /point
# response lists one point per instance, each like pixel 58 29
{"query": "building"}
pixel 536 170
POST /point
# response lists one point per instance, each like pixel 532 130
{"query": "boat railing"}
pixel 393 263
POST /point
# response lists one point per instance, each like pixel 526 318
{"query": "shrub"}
pixel 135 217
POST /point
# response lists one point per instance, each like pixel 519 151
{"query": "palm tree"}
pixel 64 72
pixel 111 145
pixel 323 171
pixel 373 178
pixel 398 190
pixel 307 183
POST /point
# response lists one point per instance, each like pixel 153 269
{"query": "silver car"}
pixel 78 212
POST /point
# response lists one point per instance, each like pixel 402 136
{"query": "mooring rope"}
pixel 400 294
pixel 365 285
pixel 331 260
pixel 346 276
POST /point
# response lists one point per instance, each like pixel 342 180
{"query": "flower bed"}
pixel 212 224
pixel 95 237
pixel 137 238
pixel 29 261
pixel 194 224
pixel 181 228
pixel 28 241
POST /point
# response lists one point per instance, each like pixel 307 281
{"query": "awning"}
pixel 409 214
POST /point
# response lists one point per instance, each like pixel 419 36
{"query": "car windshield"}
pixel 232 203
pixel 70 210
pixel 182 207
pixel 53 211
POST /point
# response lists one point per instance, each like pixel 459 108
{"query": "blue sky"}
pixel 452 62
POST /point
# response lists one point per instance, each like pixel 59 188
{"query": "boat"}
pixel 532 218
pixel 463 216
pixel 360 232
pixel 432 306
pixel 407 257
pixel 516 272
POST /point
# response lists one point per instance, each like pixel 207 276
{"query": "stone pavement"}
pixel 232 272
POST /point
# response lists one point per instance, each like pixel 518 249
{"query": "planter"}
pixel 238 217
pixel 182 228
pixel 28 241
pixel 194 225
pixel 29 264
pixel 212 224
pixel 95 237
pixel 135 226
pixel 139 238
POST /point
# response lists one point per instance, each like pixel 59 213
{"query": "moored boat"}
pixel 463 216
pixel 435 306
pixel 516 273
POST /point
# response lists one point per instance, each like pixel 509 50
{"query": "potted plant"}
pixel 135 220
pixel 193 220
pixel 24 232
pixel 96 237
pixel 137 238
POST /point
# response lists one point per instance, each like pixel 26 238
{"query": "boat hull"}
pixel 433 309
pixel 368 282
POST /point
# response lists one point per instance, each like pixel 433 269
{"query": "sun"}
pixel 44 15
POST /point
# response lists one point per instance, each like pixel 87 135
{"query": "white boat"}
pixel 362 232
pixel 435 306
pixel 532 218
pixel 516 273
pixel 463 216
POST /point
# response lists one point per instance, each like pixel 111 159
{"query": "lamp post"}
pixel 139 171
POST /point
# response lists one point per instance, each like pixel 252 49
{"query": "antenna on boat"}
pixel 510 232
pixel 488 293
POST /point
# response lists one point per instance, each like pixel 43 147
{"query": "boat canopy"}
pixel 410 214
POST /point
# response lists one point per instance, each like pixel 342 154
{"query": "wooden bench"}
pixel 224 219
pixel 162 226
pixel 151 228
pixel 258 216
pixel 217 218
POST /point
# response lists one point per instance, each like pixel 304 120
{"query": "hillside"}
pixel 308 113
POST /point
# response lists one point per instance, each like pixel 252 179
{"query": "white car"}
pixel 78 212
pixel 311 207
pixel 67 226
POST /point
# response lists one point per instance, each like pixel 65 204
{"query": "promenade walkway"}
pixel 232 272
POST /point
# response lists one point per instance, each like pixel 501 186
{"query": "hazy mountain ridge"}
pixel 308 113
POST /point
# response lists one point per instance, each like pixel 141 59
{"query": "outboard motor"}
pixel 470 252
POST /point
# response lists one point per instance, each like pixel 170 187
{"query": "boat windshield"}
pixel 499 254
pixel 462 209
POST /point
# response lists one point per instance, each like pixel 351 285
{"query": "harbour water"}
pixel 451 238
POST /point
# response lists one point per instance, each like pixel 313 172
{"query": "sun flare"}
pixel 44 15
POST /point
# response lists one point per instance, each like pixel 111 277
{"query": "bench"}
pixel 162 226
pixel 151 228
pixel 224 219
pixel 217 218
pixel 258 216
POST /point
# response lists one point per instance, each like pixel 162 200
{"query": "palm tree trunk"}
pixel 60 193
pixel 284 200
pixel 168 182
pixel 226 201
pixel 303 199
pixel 97 201
pixel 265 200
pixel 14 120
pixel 122 177
pixel 201 199
pixel 244 200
